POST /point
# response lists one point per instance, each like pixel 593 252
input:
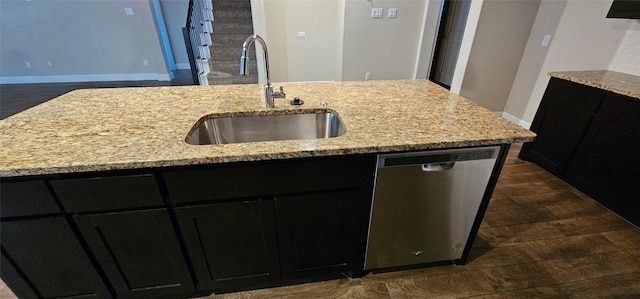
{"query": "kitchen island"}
pixel 102 180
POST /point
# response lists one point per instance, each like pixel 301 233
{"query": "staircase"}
pixel 232 24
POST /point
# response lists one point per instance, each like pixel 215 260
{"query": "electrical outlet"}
pixel 367 76
pixel 377 12
pixel 128 11
pixel 145 62
pixel 392 13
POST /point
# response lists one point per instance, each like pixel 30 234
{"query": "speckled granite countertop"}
pixel 620 83
pixel 130 128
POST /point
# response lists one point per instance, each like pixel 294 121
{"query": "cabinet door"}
pixel 607 164
pixel 51 259
pixel 25 199
pixel 139 252
pixel 323 232
pixel 560 123
pixel 231 244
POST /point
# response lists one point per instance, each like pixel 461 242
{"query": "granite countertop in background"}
pixel 620 83
pixel 131 128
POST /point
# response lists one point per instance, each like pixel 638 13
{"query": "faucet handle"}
pixel 280 94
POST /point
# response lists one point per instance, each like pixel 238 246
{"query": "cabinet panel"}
pixel 607 164
pixel 139 252
pixel 25 199
pixel 621 110
pixel 323 233
pixel 231 244
pixel 225 181
pixel 559 130
pixel 48 253
pixel 577 97
pixel 104 193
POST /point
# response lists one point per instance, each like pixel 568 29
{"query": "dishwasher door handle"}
pixel 441 166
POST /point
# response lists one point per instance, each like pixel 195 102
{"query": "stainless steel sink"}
pixel 237 129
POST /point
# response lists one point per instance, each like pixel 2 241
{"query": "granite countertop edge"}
pixel 620 83
pixel 112 129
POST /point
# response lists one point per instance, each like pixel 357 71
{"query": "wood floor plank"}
pixel 620 286
pixel 518 277
pixel 625 239
pixel 606 264
pixel 451 285
pixel 571 247
pixel 480 258
pixel 551 292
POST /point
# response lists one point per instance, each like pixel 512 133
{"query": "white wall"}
pixel 67 41
pixel 500 38
pixel 627 58
pixel 342 40
pixel 385 47
pixel 582 40
pixel 315 57
pixel 175 15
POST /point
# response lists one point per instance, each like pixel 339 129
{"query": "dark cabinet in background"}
pixel 561 122
pixel 592 142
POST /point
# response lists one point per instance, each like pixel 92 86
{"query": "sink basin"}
pixel 237 129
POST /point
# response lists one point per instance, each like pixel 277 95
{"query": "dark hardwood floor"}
pixel 540 239
pixel 15 98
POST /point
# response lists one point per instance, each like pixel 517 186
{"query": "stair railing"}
pixel 197 35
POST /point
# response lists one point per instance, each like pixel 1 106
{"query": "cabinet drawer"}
pixel 225 181
pixel 621 110
pixel 576 96
pixel 25 199
pixel 105 193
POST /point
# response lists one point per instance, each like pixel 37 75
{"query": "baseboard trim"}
pixel 515 120
pixel 86 78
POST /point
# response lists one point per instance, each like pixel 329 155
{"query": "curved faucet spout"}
pixel 244 59
pixel 269 94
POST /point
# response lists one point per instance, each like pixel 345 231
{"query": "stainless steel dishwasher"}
pixel 425 203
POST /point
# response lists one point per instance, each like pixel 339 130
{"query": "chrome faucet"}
pixel 269 94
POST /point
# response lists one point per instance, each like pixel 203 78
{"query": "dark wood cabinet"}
pixel 561 121
pixel 26 198
pixel 323 233
pixel 138 251
pixel 43 258
pixel 592 141
pixel 606 165
pixel 108 193
pixel 275 221
pixel 186 230
pixel 231 244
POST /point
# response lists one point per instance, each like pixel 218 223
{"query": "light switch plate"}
pixel 377 12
